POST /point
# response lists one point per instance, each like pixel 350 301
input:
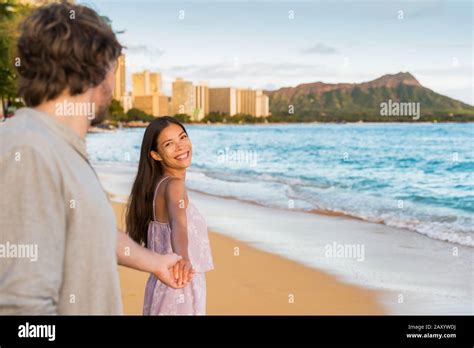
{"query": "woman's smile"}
pixel 184 156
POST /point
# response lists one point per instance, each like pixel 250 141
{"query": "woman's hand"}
pixel 182 272
pixel 164 269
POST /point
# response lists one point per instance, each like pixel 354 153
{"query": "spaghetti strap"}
pixel 154 196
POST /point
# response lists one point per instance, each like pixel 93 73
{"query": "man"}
pixel 51 200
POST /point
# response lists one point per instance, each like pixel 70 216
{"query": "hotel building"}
pixel 119 90
pixel 223 100
pixel 183 97
pixel 252 102
pixel 201 101
pixel 146 94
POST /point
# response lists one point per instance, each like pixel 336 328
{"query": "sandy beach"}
pixel 256 282
pixel 284 267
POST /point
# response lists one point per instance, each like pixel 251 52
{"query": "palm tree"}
pixel 11 14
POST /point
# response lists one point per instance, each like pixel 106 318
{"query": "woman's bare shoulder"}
pixel 175 189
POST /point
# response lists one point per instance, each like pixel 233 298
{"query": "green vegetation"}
pixel 218 117
pixel 358 104
pixel 116 114
pixel 11 15
pixel 138 115
pixel 183 118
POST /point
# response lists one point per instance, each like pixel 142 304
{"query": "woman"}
pixel 160 216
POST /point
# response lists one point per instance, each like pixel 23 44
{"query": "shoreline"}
pixel 244 283
pixel 394 264
pixel 395 260
pixel 111 167
pixel 96 129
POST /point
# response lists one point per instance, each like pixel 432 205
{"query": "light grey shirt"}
pixel 51 200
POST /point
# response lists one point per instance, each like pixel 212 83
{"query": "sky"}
pixel 273 44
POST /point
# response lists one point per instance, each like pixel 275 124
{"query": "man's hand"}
pixel 183 272
pixel 173 270
pixel 132 255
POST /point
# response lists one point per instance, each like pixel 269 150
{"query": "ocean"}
pixel 413 176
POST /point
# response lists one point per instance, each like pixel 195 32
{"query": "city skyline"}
pixel 196 100
pixel 257 45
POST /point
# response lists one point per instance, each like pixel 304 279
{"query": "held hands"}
pixel 182 272
pixel 173 270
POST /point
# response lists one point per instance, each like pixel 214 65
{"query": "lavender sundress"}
pixel 191 300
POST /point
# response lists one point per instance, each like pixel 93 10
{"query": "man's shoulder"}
pixel 24 119
pixel 25 130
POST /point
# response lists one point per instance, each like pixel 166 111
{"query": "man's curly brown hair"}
pixel 63 47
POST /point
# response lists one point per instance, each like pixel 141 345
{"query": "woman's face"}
pixel 174 147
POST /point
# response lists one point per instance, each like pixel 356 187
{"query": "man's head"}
pixel 67 49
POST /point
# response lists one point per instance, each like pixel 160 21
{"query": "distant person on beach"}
pixel 59 243
pixel 161 216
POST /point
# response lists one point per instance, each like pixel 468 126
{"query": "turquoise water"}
pixel 413 176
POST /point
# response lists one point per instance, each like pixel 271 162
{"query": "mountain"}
pixel 325 102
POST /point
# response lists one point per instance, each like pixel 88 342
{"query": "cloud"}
pixel 230 70
pixel 447 70
pixel 321 48
pixel 446 45
pixel 144 50
pixel 261 75
pixel 273 75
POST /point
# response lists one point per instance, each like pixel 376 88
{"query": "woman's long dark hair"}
pixel 140 203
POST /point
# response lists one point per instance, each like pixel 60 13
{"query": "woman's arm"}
pixel 175 194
